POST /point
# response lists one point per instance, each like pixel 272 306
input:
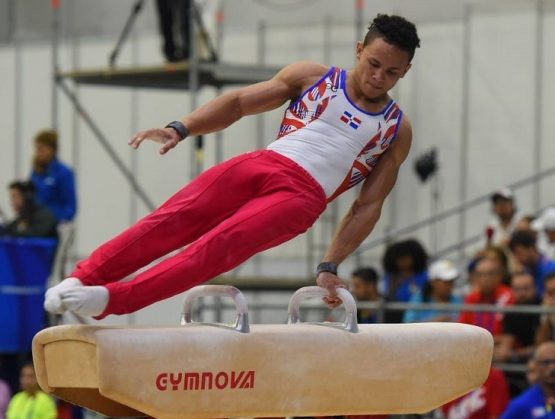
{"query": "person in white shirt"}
pixel 545 227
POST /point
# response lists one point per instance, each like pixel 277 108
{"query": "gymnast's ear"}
pixel 359 49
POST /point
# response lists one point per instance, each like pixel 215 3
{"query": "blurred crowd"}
pixel 515 266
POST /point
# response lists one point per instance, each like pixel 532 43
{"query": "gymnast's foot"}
pixel 86 301
pixel 52 299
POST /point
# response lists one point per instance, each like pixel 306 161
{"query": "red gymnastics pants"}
pixel 226 215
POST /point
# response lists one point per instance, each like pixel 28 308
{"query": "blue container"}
pixel 25 265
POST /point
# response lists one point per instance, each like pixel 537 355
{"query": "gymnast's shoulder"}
pixel 302 72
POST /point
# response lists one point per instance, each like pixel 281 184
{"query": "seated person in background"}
pixel 538 401
pixel 364 286
pixel 404 264
pixel 525 223
pixel 544 225
pixel 487 402
pixel 439 289
pixel 496 253
pixel 519 329
pixel 31 219
pixel 499 230
pixel 546 331
pixel 31 402
pixel 5 395
pixel 523 247
pixel 54 181
pixel 487 277
pixel 531 372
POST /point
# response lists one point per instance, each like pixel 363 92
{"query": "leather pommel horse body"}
pixel 207 370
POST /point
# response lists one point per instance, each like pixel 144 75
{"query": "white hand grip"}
pixel 242 322
pixel 317 292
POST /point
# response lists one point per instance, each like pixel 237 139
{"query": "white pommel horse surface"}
pixel 203 370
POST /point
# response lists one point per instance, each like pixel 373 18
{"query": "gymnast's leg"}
pixel 212 197
pixel 287 205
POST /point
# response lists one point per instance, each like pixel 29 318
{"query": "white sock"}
pixel 52 300
pixel 86 301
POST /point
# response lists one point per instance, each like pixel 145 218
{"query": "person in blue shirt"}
pixel 54 181
pixel 439 289
pixel 538 401
pixel 405 265
pixel 523 246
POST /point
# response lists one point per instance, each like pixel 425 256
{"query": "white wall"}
pixel 501 115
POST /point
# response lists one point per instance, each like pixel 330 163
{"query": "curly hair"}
pixel 410 247
pixel 395 30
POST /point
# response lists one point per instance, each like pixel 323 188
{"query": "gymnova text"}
pixel 205 380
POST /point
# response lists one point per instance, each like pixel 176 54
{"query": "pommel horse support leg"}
pixel 303 369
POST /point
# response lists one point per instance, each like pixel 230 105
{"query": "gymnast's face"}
pixel 380 65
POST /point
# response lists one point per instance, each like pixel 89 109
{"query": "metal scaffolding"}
pixel 191 75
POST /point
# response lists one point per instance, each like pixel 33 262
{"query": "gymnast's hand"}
pixel 330 282
pixel 166 136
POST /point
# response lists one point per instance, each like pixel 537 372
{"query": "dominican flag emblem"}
pixel 350 120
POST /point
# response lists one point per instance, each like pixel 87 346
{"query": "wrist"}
pixel 330 267
pixel 181 130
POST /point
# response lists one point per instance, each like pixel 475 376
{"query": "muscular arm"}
pixel 366 209
pixel 221 112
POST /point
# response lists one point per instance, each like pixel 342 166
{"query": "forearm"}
pixel 353 229
pixel 221 112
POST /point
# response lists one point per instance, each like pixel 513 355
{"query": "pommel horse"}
pixel 204 370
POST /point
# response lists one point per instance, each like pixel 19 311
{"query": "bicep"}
pixel 263 96
pixel 287 84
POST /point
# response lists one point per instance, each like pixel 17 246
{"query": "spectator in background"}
pixel 546 330
pixel 439 289
pixel 31 219
pixel 523 247
pixel 31 402
pixel 531 372
pixel 499 230
pixel 519 329
pixel 174 21
pixel 525 223
pixel 54 181
pixel 499 254
pixel 5 394
pixel 538 401
pixel 404 264
pixel 544 225
pixel 487 402
pixel 364 286
pixel 487 278
pixel 517 343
